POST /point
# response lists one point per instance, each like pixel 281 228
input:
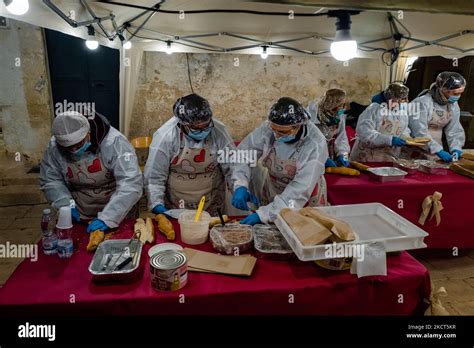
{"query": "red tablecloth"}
pixel 52 285
pixel 457 218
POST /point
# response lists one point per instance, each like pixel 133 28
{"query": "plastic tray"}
pixel 270 243
pixel 371 222
pixel 220 244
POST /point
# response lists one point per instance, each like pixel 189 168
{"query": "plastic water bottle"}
pixel 50 240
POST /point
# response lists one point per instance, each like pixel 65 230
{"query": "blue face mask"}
pixel 341 112
pixel 453 98
pixel 80 151
pixel 286 138
pixel 199 135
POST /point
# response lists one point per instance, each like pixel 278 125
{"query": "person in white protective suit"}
pixel 185 161
pixel 293 150
pixel 90 166
pixel 381 128
pixel 436 111
pixel 328 115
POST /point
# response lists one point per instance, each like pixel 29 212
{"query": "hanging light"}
pixel 169 49
pixel 17 7
pixel 264 53
pixel 125 44
pixel 91 43
pixel 343 47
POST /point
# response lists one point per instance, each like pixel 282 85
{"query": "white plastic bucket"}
pixel 194 233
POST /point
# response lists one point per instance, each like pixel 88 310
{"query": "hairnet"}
pixel 70 128
pixel 192 109
pixel 332 98
pixel 396 90
pixel 287 111
pixel 450 80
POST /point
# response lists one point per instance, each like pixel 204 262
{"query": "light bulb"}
pixel 127 45
pixel 264 53
pixel 92 44
pixel 343 47
pixel 169 49
pixel 17 7
pixel 344 50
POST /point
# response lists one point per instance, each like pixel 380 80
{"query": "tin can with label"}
pixel 169 270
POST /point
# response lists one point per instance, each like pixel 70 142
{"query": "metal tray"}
pixel 409 170
pixel 371 222
pixel 386 174
pixel 115 248
pixel 430 167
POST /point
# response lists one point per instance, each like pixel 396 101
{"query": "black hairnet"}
pixel 287 111
pixel 192 109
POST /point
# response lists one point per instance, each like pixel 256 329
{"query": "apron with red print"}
pixel 91 184
pixel 439 119
pixel 195 173
pixel 281 173
pixel 391 125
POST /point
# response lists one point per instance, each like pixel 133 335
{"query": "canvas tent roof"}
pixel 370 24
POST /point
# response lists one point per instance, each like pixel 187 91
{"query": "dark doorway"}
pixel 79 75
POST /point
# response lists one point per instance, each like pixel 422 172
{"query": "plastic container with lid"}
pixel 194 233
pixel 270 243
pixel 232 239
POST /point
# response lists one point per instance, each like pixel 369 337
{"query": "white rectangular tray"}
pixel 371 222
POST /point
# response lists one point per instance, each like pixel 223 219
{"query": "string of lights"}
pixel 342 46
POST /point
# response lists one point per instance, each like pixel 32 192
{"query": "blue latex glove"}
pixel 251 219
pixel 241 197
pixel 342 161
pixel 75 215
pixel 159 209
pixel 456 155
pixel 397 141
pixel 97 224
pixel 445 156
pixel 330 163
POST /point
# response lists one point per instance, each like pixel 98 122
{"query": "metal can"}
pixel 169 270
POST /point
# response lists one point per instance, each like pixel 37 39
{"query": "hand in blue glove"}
pixel 445 156
pixel 456 155
pixel 251 219
pixel 397 141
pixel 97 224
pixel 241 197
pixel 159 209
pixel 75 215
pixel 342 160
pixel 330 163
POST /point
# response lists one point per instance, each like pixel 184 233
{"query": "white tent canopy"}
pixel 224 32
pixel 369 25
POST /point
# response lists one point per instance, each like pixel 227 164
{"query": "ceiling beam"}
pixel 457 7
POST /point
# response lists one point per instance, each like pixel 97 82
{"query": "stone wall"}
pixel 25 98
pixel 241 94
